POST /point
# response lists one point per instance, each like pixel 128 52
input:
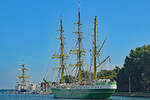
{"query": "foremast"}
pixel 23 76
pixel 79 52
pixel 61 56
pixel 62 51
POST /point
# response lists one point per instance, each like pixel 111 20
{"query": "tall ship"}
pixel 91 87
pixel 22 85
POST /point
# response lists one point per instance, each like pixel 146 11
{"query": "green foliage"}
pixel 111 74
pixel 87 76
pixel 137 67
pixel 69 78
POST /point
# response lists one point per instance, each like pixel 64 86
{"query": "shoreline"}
pixel 132 94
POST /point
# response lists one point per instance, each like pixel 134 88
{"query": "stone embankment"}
pixel 132 94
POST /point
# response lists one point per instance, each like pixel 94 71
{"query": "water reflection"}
pixel 82 99
pixel 50 97
pixel 113 98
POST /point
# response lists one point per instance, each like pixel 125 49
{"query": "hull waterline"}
pixel 83 93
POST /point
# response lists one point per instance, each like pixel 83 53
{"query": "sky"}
pixel 28 32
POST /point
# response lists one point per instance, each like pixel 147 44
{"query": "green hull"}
pixel 82 93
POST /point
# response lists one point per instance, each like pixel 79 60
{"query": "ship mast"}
pixel 95 46
pixel 61 56
pixel 79 63
pixel 62 51
pixel 79 51
pixel 23 77
pixel 97 53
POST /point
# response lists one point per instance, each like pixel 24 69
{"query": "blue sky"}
pixel 28 31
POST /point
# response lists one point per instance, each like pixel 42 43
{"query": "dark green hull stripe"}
pixel 83 93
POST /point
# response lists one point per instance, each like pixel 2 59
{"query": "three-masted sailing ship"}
pixel 96 88
pixel 22 84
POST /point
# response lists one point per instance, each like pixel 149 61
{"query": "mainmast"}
pixel 79 50
pixel 23 77
pixel 79 63
pixel 95 46
pixel 61 56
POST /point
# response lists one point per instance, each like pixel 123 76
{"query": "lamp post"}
pixel 129 84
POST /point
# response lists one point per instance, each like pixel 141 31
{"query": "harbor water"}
pixel 50 97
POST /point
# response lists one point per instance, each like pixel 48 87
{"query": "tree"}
pixel 69 79
pixel 111 74
pixel 137 67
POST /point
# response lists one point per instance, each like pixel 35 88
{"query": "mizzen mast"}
pixel 95 46
pixel 97 53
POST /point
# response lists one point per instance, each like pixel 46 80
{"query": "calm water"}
pixel 50 97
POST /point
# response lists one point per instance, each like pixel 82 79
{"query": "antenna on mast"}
pixel 79 6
